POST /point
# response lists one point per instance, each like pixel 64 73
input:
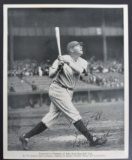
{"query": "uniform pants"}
pixel 61 101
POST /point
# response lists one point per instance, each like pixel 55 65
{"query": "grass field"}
pixel 101 119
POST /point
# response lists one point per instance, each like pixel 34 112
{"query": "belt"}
pixel 61 85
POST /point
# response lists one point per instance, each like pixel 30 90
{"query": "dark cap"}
pixel 73 44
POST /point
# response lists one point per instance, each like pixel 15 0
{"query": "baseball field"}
pixel 102 119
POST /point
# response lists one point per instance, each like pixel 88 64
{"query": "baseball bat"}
pixel 57 34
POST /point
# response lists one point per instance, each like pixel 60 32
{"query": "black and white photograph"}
pixel 65 75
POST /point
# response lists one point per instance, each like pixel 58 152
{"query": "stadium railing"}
pixel 23 99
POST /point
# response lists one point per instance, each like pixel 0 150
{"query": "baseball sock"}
pixel 36 130
pixel 82 128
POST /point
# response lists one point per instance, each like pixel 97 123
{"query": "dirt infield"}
pixel 101 119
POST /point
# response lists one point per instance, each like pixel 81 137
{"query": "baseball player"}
pixel 65 71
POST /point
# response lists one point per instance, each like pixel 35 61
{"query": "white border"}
pixel 36 154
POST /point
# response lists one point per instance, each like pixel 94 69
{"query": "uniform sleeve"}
pixel 55 64
pixel 85 66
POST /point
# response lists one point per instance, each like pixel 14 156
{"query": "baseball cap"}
pixel 72 44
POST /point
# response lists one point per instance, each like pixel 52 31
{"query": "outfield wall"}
pixel 23 99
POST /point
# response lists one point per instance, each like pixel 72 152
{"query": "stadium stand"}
pixel 101 74
pixel 43 83
pixel 19 85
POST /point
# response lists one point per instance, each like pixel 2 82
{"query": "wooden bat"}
pixel 57 34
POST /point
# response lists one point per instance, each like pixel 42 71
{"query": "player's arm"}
pixel 76 68
pixel 73 66
pixel 82 69
pixel 55 68
pixel 85 72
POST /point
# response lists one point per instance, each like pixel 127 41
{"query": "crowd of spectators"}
pixel 32 67
pixel 105 80
pixel 29 68
pixel 108 74
pixel 106 67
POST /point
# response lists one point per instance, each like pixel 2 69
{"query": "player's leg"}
pixel 47 121
pixel 52 116
pixel 72 114
pixel 92 139
pixel 64 103
pixel 36 130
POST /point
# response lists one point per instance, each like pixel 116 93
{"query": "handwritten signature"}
pixel 94 117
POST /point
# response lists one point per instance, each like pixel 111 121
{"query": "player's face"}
pixel 78 49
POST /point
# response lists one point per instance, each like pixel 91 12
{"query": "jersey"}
pixel 68 77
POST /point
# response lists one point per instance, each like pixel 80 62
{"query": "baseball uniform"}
pixel 61 92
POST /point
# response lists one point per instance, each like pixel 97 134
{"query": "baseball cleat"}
pixel 24 142
pixel 98 141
